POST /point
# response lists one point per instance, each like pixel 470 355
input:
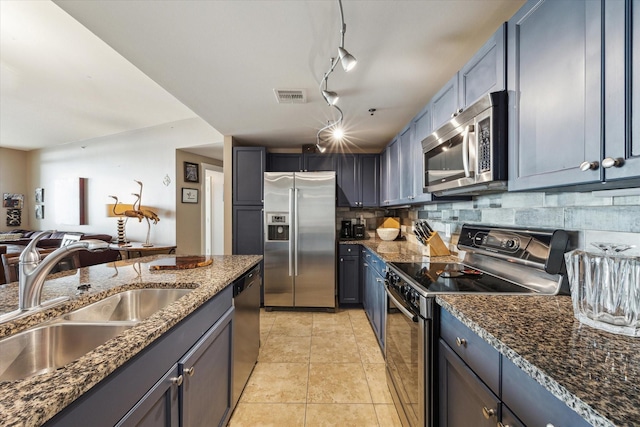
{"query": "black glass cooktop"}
pixel 455 278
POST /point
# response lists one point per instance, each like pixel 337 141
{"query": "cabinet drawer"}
pixel 483 359
pixel 378 264
pixel 347 250
pixel 532 403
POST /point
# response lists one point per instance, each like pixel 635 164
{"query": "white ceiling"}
pixel 222 60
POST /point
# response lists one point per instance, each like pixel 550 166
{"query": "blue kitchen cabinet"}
pixel 554 82
pixel 358 180
pixel 406 165
pixel 444 105
pixel 384 177
pixel 474 375
pixel 622 97
pixel 248 230
pixel 249 164
pixel 421 125
pixel 374 297
pixel 485 72
pixel 393 173
pixel 156 387
pixel 285 162
pixel 349 285
pixel 316 162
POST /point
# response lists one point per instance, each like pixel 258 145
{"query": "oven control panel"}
pixel 401 288
pixel 542 248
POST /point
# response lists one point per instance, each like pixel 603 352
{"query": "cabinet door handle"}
pixel 610 162
pixel 587 166
pixel 488 413
pixel 461 342
pixel 190 371
pixel 341 259
pixel 176 380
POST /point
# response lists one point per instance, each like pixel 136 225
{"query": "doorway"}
pixel 213 217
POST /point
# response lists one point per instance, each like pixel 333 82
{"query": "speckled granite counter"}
pixel 32 401
pixel 398 250
pixel 596 373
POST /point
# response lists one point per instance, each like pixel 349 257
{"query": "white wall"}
pixel 111 164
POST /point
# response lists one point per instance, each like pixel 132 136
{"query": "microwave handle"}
pixel 465 150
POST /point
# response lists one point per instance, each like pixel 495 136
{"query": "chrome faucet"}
pixel 33 270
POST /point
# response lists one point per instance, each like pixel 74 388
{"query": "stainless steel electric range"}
pixel 497 261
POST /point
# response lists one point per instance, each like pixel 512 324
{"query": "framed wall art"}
pixel 189 195
pixel 11 200
pixel 191 172
pixel 39 211
pixel 14 217
pixel 40 195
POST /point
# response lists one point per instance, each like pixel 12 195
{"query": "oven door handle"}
pixel 465 151
pixel 403 310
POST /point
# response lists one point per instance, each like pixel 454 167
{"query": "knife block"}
pixel 436 246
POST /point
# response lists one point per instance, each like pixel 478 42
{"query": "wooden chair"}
pixel 10 263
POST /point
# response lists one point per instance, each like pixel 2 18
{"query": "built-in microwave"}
pixel 468 155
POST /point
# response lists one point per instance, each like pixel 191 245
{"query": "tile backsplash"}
pixel 614 219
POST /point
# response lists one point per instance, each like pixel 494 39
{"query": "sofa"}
pixel 54 239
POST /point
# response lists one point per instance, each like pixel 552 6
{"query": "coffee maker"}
pixel 346 232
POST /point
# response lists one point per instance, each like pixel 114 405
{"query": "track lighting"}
pixel 348 62
pixel 330 97
pixel 321 149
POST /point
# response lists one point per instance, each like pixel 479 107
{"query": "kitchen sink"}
pixel 54 344
pixel 48 347
pixel 133 305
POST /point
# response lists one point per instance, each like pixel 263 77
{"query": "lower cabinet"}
pixel 197 388
pixel 464 399
pixel 374 295
pixel 477 386
pixel 182 379
pixel 349 274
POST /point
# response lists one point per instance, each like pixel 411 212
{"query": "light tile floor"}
pixel 317 369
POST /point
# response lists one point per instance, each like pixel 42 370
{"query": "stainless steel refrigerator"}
pixel 299 239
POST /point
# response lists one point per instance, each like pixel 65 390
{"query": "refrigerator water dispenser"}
pixel 277 226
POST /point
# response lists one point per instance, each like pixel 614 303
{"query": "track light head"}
pixel 346 59
pixel 330 97
pixel 320 149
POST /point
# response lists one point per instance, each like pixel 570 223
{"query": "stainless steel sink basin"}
pixel 133 305
pixel 48 347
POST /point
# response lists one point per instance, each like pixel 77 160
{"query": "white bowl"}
pixel 388 233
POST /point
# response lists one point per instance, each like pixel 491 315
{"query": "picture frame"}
pixel 191 172
pixel 39 211
pixel 39 195
pixel 12 201
pixel 189 195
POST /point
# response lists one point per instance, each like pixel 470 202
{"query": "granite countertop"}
pixel 399 250
pixel 594 372
pixel 33 401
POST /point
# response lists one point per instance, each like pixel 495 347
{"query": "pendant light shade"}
pixel 331 97
pixel 347 60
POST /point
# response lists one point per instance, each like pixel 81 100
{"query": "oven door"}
pixel 404 350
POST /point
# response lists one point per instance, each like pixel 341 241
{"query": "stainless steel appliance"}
pixel 246 329
pixel 299 239
pixel 468 155
pixel 497 261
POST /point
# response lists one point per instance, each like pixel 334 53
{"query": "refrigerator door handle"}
pixel 296 232
pixel 291 211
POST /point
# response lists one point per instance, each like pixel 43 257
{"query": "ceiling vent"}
pixel 291 96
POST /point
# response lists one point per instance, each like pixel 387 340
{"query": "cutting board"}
pixel 180 263
pixel 390 222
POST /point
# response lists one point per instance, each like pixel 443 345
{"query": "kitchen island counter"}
pixel 34 400
pixel 594 372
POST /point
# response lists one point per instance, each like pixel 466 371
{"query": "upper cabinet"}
pixel 285 162
pixel 248 175
pixel 554 82
pixel 621 158
pixel 358 180
pixel 485 72
pixel 320 162
pixel 444 105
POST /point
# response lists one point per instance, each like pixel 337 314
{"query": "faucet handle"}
pixel 30 253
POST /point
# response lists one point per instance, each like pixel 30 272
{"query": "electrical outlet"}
pixel 447 230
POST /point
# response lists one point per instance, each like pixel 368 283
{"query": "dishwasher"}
pixel 246 328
